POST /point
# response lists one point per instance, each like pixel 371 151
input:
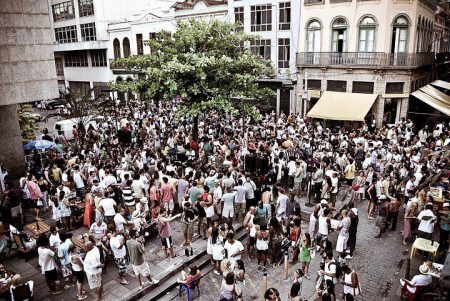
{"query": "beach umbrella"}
pixel 39 144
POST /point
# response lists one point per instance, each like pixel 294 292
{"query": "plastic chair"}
pixel 194 284
pixel 407 289
pixel 22 293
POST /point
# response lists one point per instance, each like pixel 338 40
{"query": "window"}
pixel 66 34
pixel 126 47
pixel 239 17
pixel 59 66
pixel 314 84
pixel 98 58
pixel 86 8
pixel 63 11
pixel 400 35
pixel 337 85
pixel 284 53
pixel 367 27
pixel 395 87
pixel 313 36
pixel 75 59
pixel 285 16
pixel 80 87
pixel 363 87
pixel 339 35
pixel 261 17
pixel 116 46
pixel 88 32
pixel 139 43
pixel 261 47
pixel 152 36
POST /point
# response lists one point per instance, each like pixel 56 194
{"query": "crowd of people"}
pixel 139 171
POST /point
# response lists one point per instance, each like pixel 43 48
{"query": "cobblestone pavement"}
pixel 380 263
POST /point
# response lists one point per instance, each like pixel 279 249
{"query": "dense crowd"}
pixel 140 170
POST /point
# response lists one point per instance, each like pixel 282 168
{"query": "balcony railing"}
pixel 364 59
pixel 308 2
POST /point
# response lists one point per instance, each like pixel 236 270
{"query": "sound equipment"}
pixel 262 164
pixel 250 163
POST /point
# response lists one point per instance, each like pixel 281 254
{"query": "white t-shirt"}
pixel 78 180
pixel 108 206
pixel 281 202
pixel 92 261
pixel 46 259
pixel 115 242
pixel 55 241
pixel 330 267
pixel 98 231
pixel 426 226
pixel 233 249
pixel 119 220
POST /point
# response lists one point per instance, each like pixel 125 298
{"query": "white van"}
pixel 66 126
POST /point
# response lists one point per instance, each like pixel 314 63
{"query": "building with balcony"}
pixel 81 40
pixel 27 72
pixel 277 25
pixel 371 47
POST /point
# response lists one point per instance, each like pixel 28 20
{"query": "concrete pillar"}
pixel 11 148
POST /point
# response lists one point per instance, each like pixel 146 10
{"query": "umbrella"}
pixel 39 144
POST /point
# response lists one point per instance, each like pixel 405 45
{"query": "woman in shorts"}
pixel 262 245
pixel 77 271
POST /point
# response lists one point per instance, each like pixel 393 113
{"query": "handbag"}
pixel 355 187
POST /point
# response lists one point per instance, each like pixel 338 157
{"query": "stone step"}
pixel 168 277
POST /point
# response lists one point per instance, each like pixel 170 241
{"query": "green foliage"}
pixel 27 122
pixel 205 63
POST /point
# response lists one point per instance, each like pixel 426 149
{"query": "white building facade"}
pixel 276 22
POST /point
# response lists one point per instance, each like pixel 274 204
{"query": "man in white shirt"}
pixel 281 204
pixel 423 279
pixel 291 172
pixel 93 269
pixel 250 188
pixel 228 205
pixel 98 229
pixel 106 206
pixel 48 265
pixel 239 200
pixel 234 248
pixel 120 221
pixel 427 220
pixel 78 179
pixel 117 243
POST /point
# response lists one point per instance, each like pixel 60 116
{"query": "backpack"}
pixel 339 271
pixel 271 178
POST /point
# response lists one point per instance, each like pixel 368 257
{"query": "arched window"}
pixel 116 46
pixel 400 34
pixel 313 36
pixel 367 30
pixel 339 35
pixel 126 47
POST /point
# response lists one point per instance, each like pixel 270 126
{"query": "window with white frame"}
pixel 367 30
pixel 98 58
pixel 86 7
pixel 284 53
pixel 400 34
pixel 313 36
pixel 261 17
pixel 261 47
pixel 63 11
pixel 88 32
pixel 59 66
pixel 285 16
pixel 339 35
pixel 239 17
pixel 66 34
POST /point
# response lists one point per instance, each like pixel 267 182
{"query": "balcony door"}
pixel 338 40
pixel 314 33
pixel 399 40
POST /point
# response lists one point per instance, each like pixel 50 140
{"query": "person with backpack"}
pixel 331 270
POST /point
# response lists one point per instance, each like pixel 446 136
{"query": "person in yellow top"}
pixel 349 173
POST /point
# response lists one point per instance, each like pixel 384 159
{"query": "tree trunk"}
pixel 195 129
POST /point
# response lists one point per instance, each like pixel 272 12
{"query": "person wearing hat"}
pixel 423 279
pixel 351 243
pixel 382 215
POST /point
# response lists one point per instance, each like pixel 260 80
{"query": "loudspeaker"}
pixel 262 164
pixel 250 163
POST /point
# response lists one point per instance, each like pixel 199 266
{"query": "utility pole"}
pixel 305 92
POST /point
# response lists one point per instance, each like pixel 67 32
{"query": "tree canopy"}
pixel 205 63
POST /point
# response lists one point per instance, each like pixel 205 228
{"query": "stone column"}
pixel 11 146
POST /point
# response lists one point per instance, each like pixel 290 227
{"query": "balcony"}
pixel 312 2
pixel 376 60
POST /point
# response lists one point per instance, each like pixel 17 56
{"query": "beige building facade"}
pixel 27 71
pixel 370 46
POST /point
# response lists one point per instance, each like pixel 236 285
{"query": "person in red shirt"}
pixel 167 193
pixel 188 278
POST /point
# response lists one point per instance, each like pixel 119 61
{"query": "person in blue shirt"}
pixel 63 254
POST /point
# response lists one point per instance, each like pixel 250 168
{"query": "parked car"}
pixel 51 104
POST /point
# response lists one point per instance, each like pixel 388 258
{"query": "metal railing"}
pixel 314 1
pixel 365 59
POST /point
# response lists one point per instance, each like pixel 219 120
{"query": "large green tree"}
pixel 207 63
